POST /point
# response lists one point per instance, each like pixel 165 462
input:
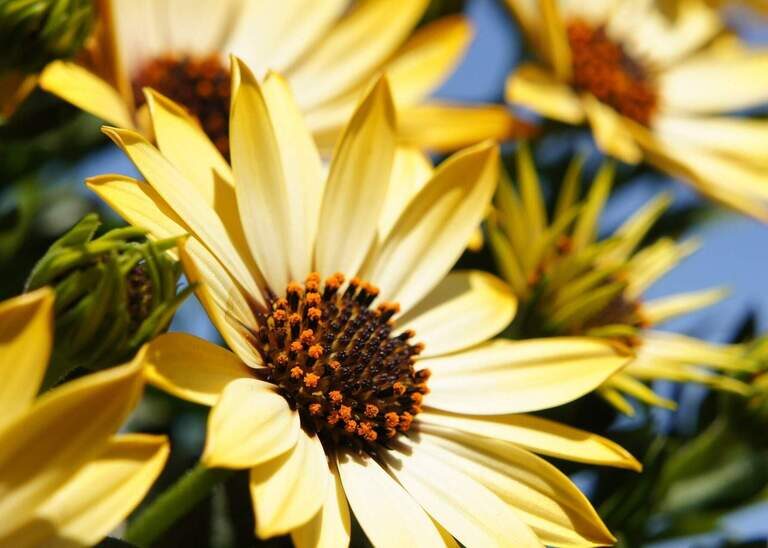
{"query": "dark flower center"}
pixel 201 84
pixel 603 68
pixel 337 362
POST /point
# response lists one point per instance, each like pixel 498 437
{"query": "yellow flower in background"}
pixel 402 408
pixel 64 478
pixel 652 89
pixel 329 51
pixel 569 282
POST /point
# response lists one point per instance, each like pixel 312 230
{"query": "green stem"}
pixel 174 503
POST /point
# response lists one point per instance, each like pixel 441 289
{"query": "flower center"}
pixel 603 68
pixel 335 359
pixel 201 84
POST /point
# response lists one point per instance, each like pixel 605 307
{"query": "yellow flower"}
pixel 652 89
pixel 570 283
pixel 64 478
pixel 329 52
pixel 328 397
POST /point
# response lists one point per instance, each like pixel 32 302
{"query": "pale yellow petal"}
pixel 410 172
pixel 191 368
pixel 354 49
pixel 290 489
pixel 67 427
pixel 630 386
pixel 357 185
pixel 465 309
pixel 693 351
pixel 532 87
pixel 519 376
pixel 386 512
pixel 537 434
pixel 666 308
pixel 609 131
pixel 434 229
pixel 542 496
pixel 331 526
pixel 26 339
pixel 86 91
pixel 463 506
pixel 250 424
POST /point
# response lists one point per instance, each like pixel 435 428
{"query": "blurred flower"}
pixel 328 399
pixel 329 52
pixel 113 294
pixel 672 7
pixel 64 478
pixel 653 89
pixel 32 34
pixel 570 283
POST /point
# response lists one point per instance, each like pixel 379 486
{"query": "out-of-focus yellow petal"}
pixel 463 310
pixel 87 91
pixel 249 425
pixel 67 427
pixel 519 376
pixel 632 387
pixel 191 368
pixel 666 308
pixel 610 132
pixel 555 39
pixel 534 88
pixel 26 337
pixel 14 88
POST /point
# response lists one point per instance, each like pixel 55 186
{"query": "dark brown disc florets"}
pixel 602 67
pixel 338 363
pixel 201 84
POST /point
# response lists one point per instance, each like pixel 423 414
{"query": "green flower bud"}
pixel 113 294
pixel 35 32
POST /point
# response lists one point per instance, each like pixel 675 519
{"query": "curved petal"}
pixel 191 368
pixel 106 490
pixel 410 172
pixel 249 425
pixel 386 512
pixel 519 376
pixel 542 496
pixel 357 185
pixel 290 489
pixel 434 229
pixel 86 91
pixel 533 88
pixel 331 526
pixel 535 434
pixel 467 509
pixel 465 309
pixel 609 131
pixel 67 427
pixel 26 338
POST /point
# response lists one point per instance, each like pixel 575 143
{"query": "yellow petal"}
pixel 609 131
pixel 15 86
pixel 542 496
pixel 532 87
pixel 465 309
pixel 445 127
pixel 67 427
pixel 675 347
pixel 410 172
pixel 536 434
pixel 641 392
pixel 357 185
pixel 87 91
pixel 331 526
pixel 290 489
pixel 26 338
pixel 515 377
pixel 616 400
pixel 387 513
pixel 665 308
pixel 249 425
pixel 428 58
pixel 105 491
pixel 467 509
pixel 354 49
pixel 191 368
pixel 434 229
pixel 555 39
pixel 652 262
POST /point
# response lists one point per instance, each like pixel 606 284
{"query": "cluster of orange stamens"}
pixel 336 360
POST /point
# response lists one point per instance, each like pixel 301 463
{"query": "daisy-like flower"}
pixel 65 480
pixel 329 51
pixel 390 398
pixel 652 89
pixel 569 282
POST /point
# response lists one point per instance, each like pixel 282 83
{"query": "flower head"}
pixel 64 477
pixel 570 282
pixel 362 373
pixel 652 88
pixel 329 51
